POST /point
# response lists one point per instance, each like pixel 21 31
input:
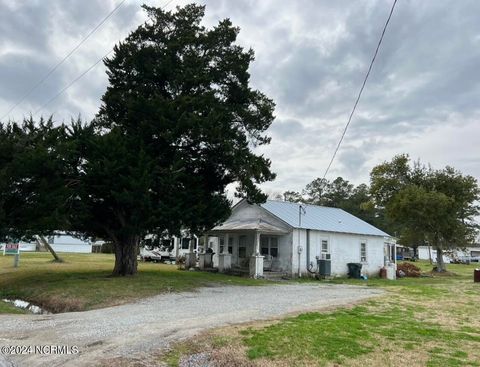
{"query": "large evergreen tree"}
pixel 177 125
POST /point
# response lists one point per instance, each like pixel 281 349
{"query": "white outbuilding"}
pixel 290 238
pixel 60 242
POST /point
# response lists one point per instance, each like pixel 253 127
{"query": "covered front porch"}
pixel 245 247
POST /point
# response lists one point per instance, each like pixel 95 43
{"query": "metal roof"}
pixel 251 224
pixel 321 218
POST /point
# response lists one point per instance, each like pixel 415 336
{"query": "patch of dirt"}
pixel 57 304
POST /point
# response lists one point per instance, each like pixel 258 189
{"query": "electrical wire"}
pixel 361 89
pixel 71 83
pixel 81 75
pixel 52 70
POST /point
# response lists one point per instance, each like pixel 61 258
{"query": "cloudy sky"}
pixel 422 97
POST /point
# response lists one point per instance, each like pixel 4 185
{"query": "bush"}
pixel 409 270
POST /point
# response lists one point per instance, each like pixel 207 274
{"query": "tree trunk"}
pixel 440 263
pixel 43 242
pixel 126 257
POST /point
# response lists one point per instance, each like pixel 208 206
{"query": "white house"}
pixel 288 238
pixel 60 242
pixel 468 253
pixel 65 243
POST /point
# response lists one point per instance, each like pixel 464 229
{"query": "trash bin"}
pixel 354 270
pixel 476 275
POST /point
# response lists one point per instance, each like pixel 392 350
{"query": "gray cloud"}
pixel 311 57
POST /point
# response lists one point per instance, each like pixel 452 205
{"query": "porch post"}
pixel 256 260
pixel 203 258
pixel 190 260
pixel 395 253
pixel 225 259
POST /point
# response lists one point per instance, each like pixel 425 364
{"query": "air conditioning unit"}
pixel 325 256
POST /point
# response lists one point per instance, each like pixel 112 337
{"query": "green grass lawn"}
pixel 432 321
pixel 6 307
pixel 83 281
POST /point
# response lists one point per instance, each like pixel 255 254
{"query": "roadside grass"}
pixel 6 307
pixel 428 321
pixel 83 281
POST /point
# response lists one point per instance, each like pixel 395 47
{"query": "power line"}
pixel 361 89
pixel 82 74
pixel 52 70
pixel 72 82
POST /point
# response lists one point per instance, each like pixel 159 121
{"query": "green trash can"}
pixel 354 270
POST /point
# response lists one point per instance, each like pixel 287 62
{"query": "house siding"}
pixel 344 248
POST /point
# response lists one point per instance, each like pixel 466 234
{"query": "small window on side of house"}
pixel 185 243
pixel 363 252
pixel 324 246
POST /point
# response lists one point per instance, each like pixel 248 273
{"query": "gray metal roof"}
pixel 251 224
pixel 321 218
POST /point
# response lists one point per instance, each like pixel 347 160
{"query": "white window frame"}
pixel 221 244
pixel 269 239
pixel 364 242
pixel 322 251
pixel 242 243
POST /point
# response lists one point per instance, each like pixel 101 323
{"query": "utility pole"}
pixel 301 210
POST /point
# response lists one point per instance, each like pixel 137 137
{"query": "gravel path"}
pixel 136 329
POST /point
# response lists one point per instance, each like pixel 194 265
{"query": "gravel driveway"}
pixel 151 324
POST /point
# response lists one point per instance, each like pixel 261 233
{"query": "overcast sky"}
pixel 422 97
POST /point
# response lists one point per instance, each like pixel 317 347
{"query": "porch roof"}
pixel 248 225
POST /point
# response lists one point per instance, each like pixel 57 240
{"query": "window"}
pixel 324 246
pixel 269 246
pixel 363 252
pixel 242 246
pixel 185 243
pixel 230 244
pixel 222 241
pixel 167 245
pixel 264 246
pixel 274 246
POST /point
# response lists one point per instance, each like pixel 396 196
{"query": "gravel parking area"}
pixel 135 329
